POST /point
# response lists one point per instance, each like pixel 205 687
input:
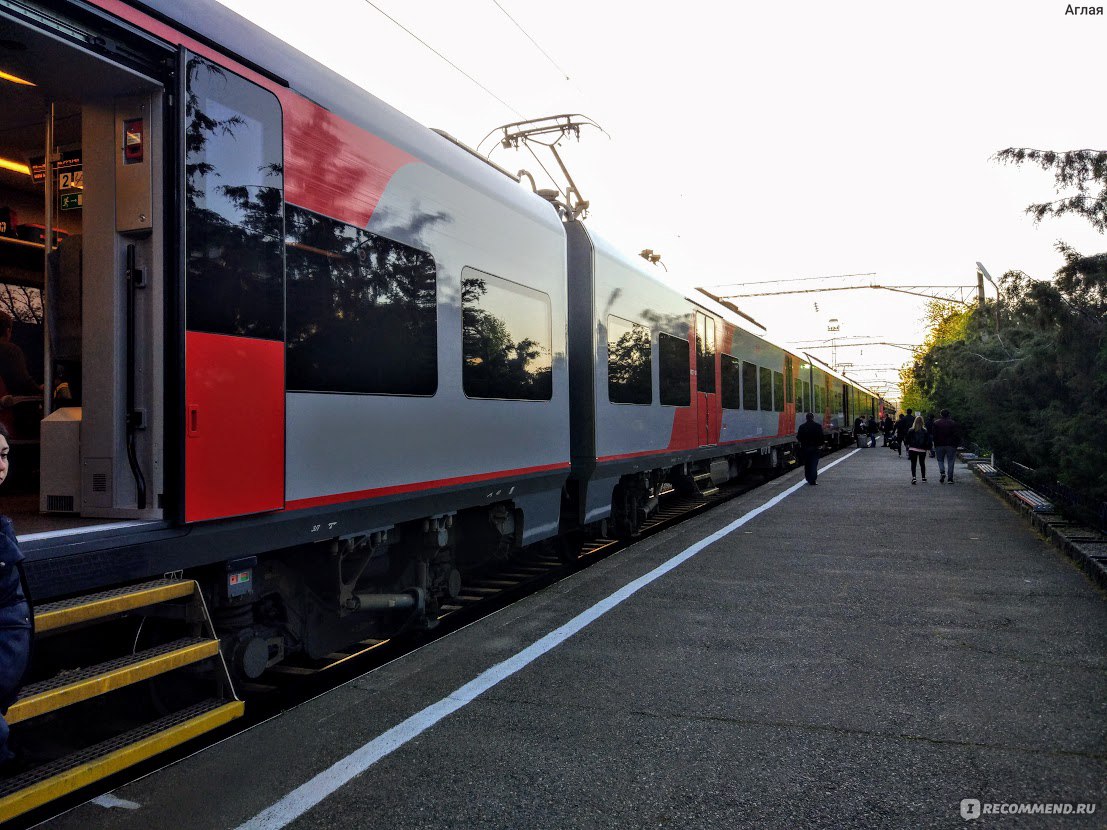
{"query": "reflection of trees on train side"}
pixel 362 310
pixel 234 205
pixel 22 303
pixel 628 364
pixel 496 364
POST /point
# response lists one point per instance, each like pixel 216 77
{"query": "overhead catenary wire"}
pixel 532 40
pixel 443 57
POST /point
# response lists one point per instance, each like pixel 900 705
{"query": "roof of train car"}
pixel 240 38
pixel 662 278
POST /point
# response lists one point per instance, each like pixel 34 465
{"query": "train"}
pixel 319 361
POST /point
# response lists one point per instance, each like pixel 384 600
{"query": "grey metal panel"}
pixel 750 429
pixel 624 288
pixel 582 341
pixel 345 444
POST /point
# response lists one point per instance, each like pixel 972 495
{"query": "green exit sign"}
pixel 71 201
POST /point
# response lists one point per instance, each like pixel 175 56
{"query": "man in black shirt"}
pixel 810 437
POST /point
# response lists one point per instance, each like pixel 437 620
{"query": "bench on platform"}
pixel 1033 501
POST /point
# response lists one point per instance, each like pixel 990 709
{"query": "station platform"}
pixel 865 653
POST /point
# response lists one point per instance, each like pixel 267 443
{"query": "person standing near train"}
pixel 810 437
pixel 947 436
pixel 919 443
pixel 871 429
pixel 16 628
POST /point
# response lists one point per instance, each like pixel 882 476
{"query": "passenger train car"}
pixel 314 361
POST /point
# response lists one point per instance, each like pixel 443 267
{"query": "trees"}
pixel 1035 390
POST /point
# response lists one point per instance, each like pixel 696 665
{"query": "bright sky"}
pixel 768 140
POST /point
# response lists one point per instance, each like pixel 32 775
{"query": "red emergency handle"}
pixel 133 140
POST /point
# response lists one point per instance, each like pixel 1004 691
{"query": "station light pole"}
pixel 981 275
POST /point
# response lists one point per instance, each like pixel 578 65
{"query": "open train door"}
pixel 707 409
pixel 232 185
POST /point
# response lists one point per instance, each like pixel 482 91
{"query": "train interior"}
pixel 80 242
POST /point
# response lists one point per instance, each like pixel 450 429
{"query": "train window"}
pixel 234 207
pixel 799 396
pixel 731 381
pixel 629 362
pixel 749 386
pixel 788 375
pixel 362 311
pixel 807 394
pixel 778 391
pixel 675 371
pixel 507 339
pixel 766 384
pixel 705 353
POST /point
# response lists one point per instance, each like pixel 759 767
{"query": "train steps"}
pixel 116 678
pixel 705 486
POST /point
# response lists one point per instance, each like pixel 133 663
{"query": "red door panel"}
pixel 234 426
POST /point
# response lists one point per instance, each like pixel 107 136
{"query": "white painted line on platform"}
pixel 306 796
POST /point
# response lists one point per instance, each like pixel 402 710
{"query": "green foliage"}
pixel 1033 390
pixel 1036 391
pixel 1080 170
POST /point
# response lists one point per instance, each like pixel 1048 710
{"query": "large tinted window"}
pixel 749 385
pixel 362 311
pixel 628 362
pixel 676 374
pixel 778 391
pixel 801 400
pixel 234 205
pixel 766 384
pixel 507 339
pixel 731 381
pixel 705 354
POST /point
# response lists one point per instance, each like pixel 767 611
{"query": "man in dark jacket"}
pixel 810 437
pixel 947 437
pixel 903 426
pixel 15 615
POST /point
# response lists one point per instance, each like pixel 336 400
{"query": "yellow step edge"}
pixel 47 790
pixel 48 620
pixel 54 699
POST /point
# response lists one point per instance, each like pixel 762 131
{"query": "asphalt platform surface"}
pixel 865 653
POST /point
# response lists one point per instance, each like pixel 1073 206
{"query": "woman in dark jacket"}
pixel 15 614
pixel 918 443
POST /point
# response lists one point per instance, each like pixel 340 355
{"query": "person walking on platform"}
pixel 903 426
pixel 16 628
pixel 810 437
pixel 947 436
pixel 888 427
pixel 919 443
pixel 871 428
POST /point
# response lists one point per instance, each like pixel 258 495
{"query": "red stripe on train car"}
pixel 234 430
pixel 419 486
pixel 333 167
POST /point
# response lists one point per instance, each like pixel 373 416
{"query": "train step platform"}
pixel 864 653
